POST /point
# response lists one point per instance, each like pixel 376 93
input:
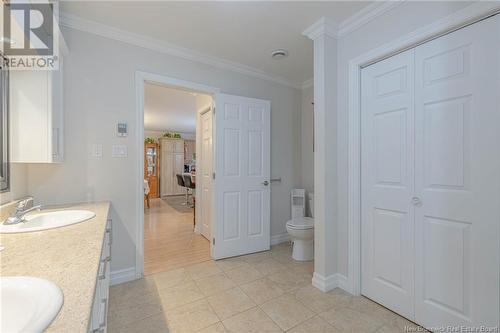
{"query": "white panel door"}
pixel 206 169
pixel 457 178
pixel 387 182
pixel 242 189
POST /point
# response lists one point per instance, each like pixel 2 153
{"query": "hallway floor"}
pixel 169 240
pixel 263 292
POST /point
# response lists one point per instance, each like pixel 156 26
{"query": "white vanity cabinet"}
pixel 98 321
pixel 36 117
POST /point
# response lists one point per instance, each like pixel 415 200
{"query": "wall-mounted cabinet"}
pixel 36 112
pixel 36 117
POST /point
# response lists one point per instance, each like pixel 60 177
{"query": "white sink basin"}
pixel 28 304
pixel 48 220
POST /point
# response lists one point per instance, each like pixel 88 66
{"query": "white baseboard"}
pixel 323 283
pixel 281 238
pixel 123 275
pixel 331 282
pixel 343 283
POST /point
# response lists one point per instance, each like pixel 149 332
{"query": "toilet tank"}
pixel 298 201
pixel 311 203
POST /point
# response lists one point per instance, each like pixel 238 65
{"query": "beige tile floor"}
pixel 263 292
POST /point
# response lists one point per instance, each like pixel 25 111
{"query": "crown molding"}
pixel 327 26
pixel 366 15
pixel 323 26
pixel 81 24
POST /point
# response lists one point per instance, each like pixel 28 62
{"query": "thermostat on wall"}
pixel 121 129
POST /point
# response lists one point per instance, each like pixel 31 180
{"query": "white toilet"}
pixel 300 228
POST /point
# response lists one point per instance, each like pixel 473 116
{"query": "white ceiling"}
pixel 167 109
pixel 240 32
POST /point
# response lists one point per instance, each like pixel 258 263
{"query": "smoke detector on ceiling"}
pixel 279 54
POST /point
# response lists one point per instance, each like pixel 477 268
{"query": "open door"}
pixel 242 176
pixel 205 171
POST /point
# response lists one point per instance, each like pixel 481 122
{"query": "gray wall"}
pixel 18 184
pixel 306 128
pixel 99 91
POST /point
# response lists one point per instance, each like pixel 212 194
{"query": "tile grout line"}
pixel 261 309
pixel 256 305
pixel 264 275
pixel 215 312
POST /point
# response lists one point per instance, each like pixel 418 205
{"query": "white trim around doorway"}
pixel 469 14
pixel 140 78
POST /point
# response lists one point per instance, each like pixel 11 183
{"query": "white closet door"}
pixel 457 178
pixel 387 182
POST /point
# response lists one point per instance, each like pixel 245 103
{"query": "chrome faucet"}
pixel 23 207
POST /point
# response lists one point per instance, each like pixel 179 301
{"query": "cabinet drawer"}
pixel 94 322
pixel 102 314
pixel 98 322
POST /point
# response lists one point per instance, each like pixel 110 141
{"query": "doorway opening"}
pixel 177 192
pixel 232 163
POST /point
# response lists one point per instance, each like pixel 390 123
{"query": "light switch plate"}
pixel 96 150
pixel 119 151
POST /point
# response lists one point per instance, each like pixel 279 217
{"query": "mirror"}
pixel 4 126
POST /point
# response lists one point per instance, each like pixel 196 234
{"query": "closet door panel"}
pixel 387 182
pixel 457 167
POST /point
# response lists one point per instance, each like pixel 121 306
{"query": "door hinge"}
pixel 213 175
pixel 213 241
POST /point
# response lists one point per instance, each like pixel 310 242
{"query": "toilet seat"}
pixel 301 223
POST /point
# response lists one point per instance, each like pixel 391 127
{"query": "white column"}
pixel 324 33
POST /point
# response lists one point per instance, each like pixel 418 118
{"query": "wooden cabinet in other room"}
pixel 151 160
pixel 171 163
pixel 189 150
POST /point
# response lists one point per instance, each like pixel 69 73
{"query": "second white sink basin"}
pixel 48 220
pixel 28 304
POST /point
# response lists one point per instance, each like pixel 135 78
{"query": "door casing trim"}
pixel 140 79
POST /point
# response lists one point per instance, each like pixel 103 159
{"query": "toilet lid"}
pixel 301 223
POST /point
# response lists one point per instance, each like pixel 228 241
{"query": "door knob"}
pixel 265 183
pixel 416 201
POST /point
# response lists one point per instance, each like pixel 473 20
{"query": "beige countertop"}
pixel 68 256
